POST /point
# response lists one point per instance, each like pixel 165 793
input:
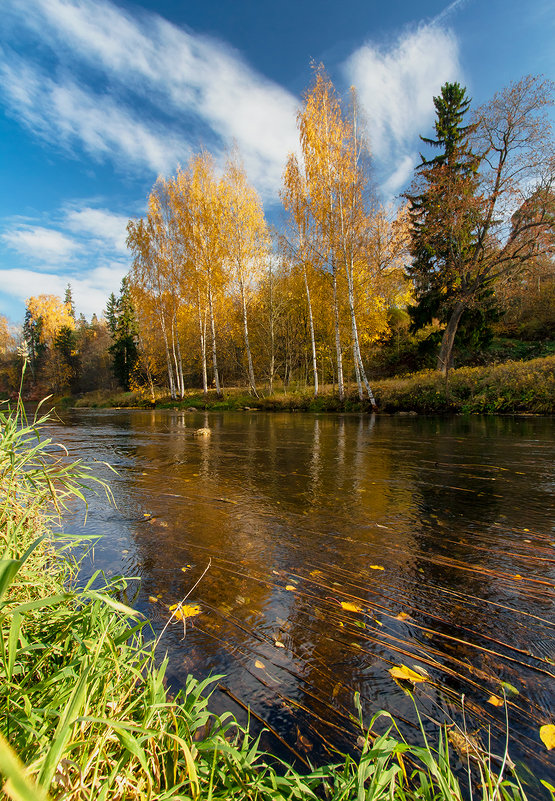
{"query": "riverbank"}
pixel 510 388
pixel 85 712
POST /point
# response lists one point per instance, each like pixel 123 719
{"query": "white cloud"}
pixel 399 177
pixel 204 89
pixel 82 245
pixel 40 244
pixel 108 228
pixel 90 293
pixel 64 113
pixel 396 86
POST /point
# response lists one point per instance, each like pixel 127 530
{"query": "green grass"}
pixel 509 388
pixel 84 712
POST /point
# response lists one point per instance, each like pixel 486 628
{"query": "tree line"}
pixel 215 296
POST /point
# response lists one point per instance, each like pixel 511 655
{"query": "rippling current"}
pixel 339 547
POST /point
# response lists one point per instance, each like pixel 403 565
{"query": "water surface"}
pixel 340 546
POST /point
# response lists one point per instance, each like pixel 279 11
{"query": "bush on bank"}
pixel 84 712
pixel 510 388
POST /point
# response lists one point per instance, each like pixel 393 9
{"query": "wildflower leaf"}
pixel 547 736
pixel 349 607
pixel 494 700
pixel 404 673
pixel 509 688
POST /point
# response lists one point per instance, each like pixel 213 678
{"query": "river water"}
pixel 338 547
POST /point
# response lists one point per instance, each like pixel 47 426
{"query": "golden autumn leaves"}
pixel 207 281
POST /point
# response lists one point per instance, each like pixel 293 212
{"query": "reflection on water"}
pixel 340 546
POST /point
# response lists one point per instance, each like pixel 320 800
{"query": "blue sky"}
pixel 99 97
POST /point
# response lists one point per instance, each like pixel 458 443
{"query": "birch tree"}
pixel 245 240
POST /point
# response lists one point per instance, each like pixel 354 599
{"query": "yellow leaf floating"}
pixel 405 673
pixel 494 700
pixel 402 616
pixel 185 610
pixel 278 644
pixel 349 607
pixel 258 664
pixel 152 599
pixel 547 735
pixel 290 587
pixel 376 567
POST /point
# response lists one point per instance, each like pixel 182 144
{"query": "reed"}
pixel 84 710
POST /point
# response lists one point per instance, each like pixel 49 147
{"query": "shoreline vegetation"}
pixel 85 711
pixel 523 387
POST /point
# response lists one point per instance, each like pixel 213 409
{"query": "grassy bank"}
pixel 84 710
pixel 510 388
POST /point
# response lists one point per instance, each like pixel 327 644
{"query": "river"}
pixel 336 547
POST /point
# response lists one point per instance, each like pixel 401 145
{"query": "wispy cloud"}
pixel 39 244
pixel 396 85
pixel 82 245
pixel 108 228
pixel 68 116
pixel 90 292
pixel 205 91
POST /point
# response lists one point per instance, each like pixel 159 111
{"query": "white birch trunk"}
pixel 246 336
pixel 312 337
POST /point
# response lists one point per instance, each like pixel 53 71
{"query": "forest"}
pixel 347 291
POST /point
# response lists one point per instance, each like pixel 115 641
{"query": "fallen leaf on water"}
pixel 315 573
pixel 185 610
pixel 303 741
pixel 402 616
pixel 494 700
pixel 465 744
pixel 509 688
pixel 405 673
pixel 278 644
pixel 547 735
pixel 517 576
pixel 152 599
pixel 376 567
pixel 349 607
pixel 258 664
pixel 290 587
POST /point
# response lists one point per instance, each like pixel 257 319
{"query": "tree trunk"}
pixel 340 384
pixel 168 357
pixel 202 332
pixel 246 336
pixel 214 356
pixel 312 338
pixel 180 364
pixel 272 339
pixel 176 361
pixel 446 350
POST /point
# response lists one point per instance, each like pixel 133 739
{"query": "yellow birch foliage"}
pixel 54 314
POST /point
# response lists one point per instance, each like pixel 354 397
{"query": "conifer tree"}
pixel 443 224
pixel 123 327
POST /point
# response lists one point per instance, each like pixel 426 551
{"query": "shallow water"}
pixel 437 533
